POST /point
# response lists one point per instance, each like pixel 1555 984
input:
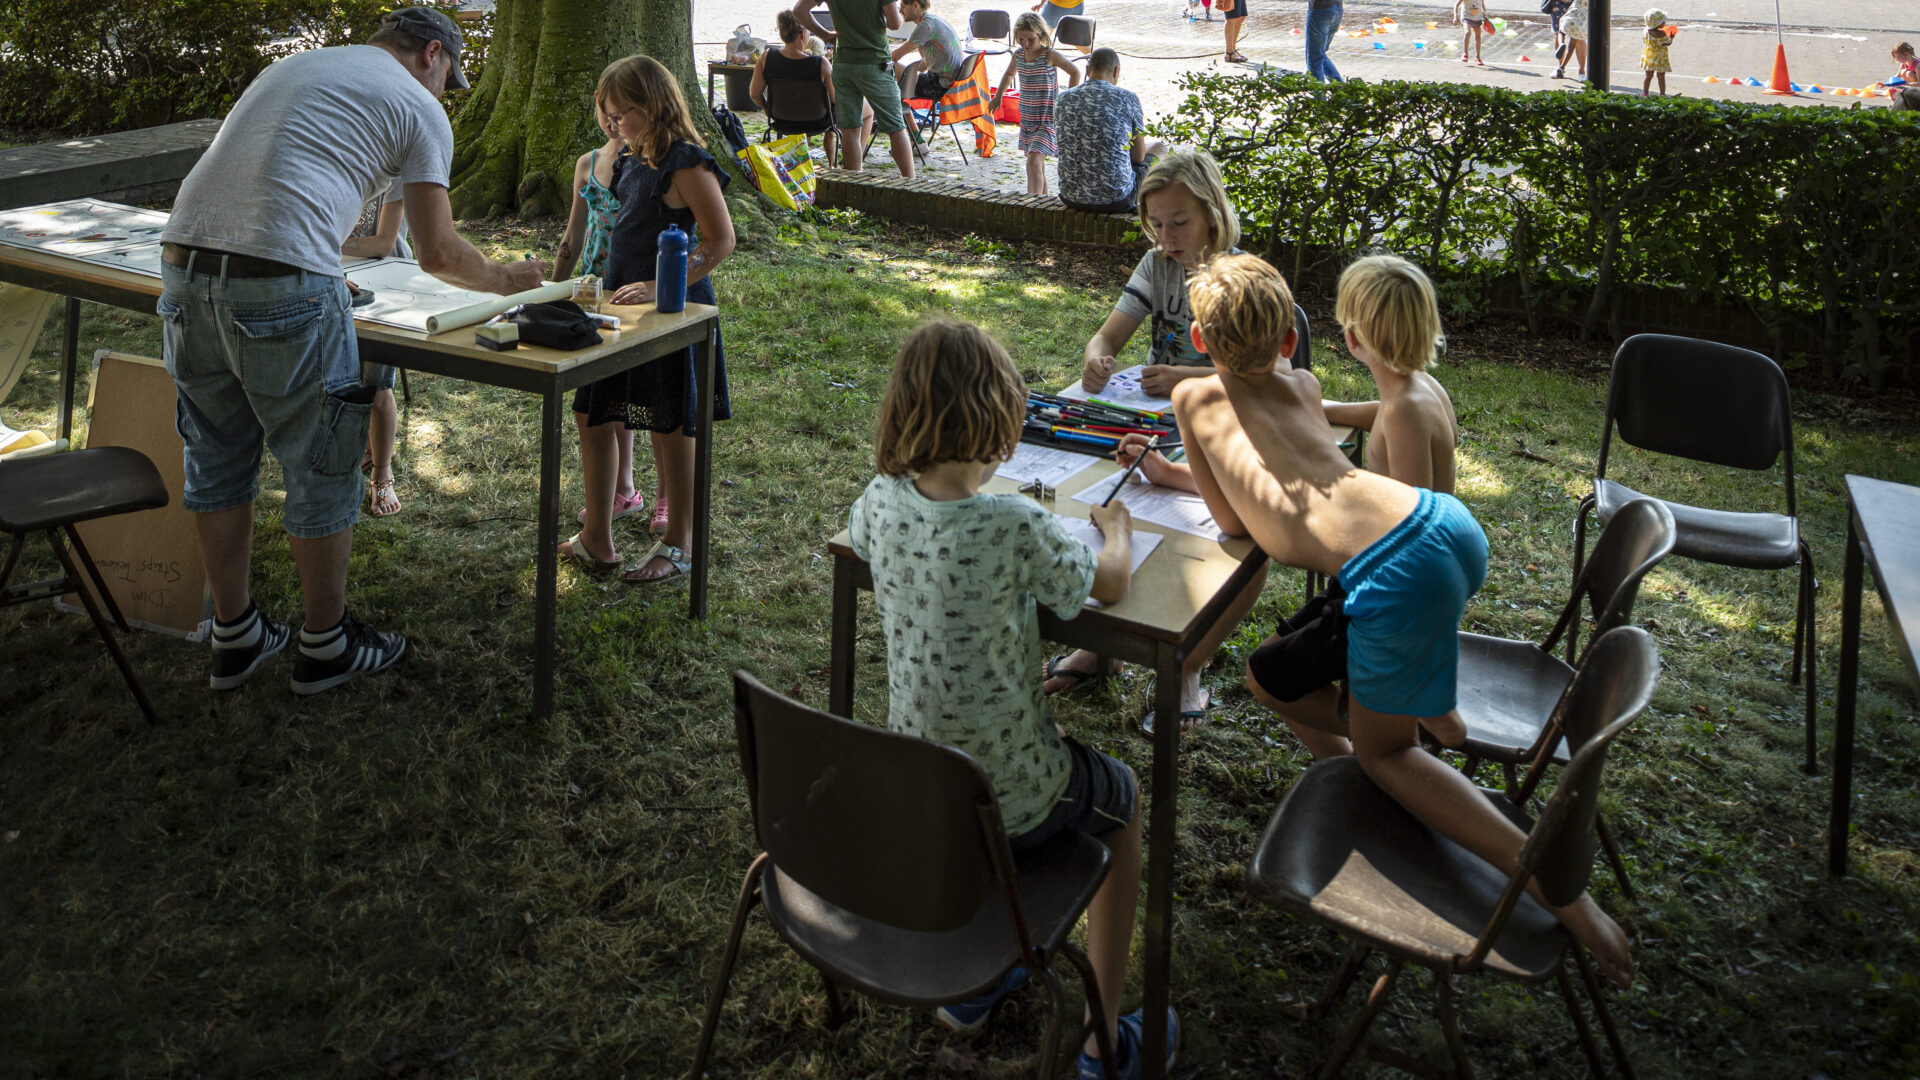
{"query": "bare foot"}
pixel 1449 729
pixel 1073 670
pixel 1603 937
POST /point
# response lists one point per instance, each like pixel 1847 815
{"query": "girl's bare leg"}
pixel 1110 920
pixel 673 461
pixel 1036 173
pixel 598 458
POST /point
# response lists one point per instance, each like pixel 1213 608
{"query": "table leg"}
pixel 69 367
pixel 702 475
pixel 546 568
pixel 846 607
pixel 1843 703
pixel 710 74
pixel 1158 969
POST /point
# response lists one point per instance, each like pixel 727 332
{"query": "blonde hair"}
pixel 1035 23
pixel 1390 306
pixel 643 83
pixel 954 396
pixel 1196 171
pixel 1244 311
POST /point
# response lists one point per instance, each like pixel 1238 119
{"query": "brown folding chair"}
pixel 1723 405
pixel 51 494
pixel 1512 691
pixel 1341 852
pixel 886 867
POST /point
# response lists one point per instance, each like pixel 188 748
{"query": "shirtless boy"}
pixel 1262 454
pixel 1391 320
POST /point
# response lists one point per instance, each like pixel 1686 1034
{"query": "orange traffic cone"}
pixel 1780 84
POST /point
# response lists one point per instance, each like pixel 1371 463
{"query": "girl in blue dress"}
pixel 666 177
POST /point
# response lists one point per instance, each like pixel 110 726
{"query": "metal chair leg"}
pixel 1613 855
pixel 1579 560
pixel 1450 1026
pixel 1803 624
pixel 100 624
pixel 837 1014
pixel 1580 1026
pixel 1356 1032
pixel 99 583
pixel 1620 1059
pixel 406 392
pixel 1096 1005
pixel 1056 1009
pixel 749 896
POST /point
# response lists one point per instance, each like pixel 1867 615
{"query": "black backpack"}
pixel 730 129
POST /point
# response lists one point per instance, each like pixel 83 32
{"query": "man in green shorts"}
pixel 861 59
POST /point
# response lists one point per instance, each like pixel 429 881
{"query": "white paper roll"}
pixel 487 309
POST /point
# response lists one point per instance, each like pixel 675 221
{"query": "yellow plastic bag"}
pixel 782 169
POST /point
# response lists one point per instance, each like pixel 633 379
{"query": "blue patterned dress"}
pixel 602 206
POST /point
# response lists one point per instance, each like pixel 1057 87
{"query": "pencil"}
pixel 1152 445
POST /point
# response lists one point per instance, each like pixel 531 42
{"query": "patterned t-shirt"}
pixel 957 584
pixel 1095 123
pixel 1158 288
pixel 939 46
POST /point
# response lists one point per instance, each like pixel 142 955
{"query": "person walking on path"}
pixel 1323 21
pixel 256 328
pixel 860 76
pixel 1235 12
pixel 1573 23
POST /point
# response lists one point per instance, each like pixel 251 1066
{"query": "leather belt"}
pixel 237 266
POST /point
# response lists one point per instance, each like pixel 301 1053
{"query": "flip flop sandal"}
pixel 1189 720
pixel 382 494
pixel 577 551
pixel 676 559
pixel 621 507
pixel 1081 680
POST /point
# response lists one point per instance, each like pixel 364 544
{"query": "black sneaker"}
pixel 234 664
pixel 365 651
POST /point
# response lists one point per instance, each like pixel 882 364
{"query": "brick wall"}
pixel 949 204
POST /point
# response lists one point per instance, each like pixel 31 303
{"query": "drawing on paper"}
pixel 1122 389
pixel 81 227
pixel 406 296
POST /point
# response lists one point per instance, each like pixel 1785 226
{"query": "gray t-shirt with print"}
pixel 957 584
pixel 1096 122
pixel 939 45
pixel 315 137
pixel 1158 289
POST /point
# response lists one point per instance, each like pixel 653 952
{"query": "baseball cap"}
pixel 430 25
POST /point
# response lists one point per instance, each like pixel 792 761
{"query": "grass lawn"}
pixel 409 877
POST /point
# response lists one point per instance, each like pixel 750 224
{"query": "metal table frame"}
pixel 77 281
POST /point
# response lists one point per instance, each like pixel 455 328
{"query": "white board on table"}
pixel 80 227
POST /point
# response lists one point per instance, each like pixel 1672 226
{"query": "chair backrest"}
pixel 1075 30
pixel 891 827
pixel 798 103
pixel 1700 400
pixel 1611 689
pixel 989 24
pixel 1303 349
pixel 1639 535
pixel 824 17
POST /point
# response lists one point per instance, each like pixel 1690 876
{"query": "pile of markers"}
pixel 1093 426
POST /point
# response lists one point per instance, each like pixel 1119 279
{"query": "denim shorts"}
pixel 873 84
pixel 273 361
pixel 1098 799
pixel 1053 13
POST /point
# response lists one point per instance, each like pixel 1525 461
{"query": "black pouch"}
pixel 1311 650
pixel 556 324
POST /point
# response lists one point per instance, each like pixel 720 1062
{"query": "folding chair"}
pixel 1341 852
pixel 989 25
pixel 824 17
pixel 51 494
pixel 1723 405
pixel 800 107
pixel 966 100
pixel 886 867
pixel 1075 31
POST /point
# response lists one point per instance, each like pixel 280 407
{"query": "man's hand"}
pixel 525 274
pixel 640 292
pixel 1159 380
pixel 1095 373
pixel 1113 519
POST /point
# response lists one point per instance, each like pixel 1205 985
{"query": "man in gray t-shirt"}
pixel 1104 150
pixel 941 63
pixel 257 329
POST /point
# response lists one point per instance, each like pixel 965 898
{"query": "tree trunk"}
pixel 531 114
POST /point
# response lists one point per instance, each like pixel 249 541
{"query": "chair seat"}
pixel 1508 690
pixel 1343 852
pixel 1752 541
pixel 61 489
pixel 909 967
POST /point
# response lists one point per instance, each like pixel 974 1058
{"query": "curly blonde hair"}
pixel 954 396
pixel 1244 311
pixel 645 84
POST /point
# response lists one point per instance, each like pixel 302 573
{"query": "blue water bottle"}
pixel 670 272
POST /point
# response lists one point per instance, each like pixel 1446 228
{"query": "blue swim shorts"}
pixel 1405 595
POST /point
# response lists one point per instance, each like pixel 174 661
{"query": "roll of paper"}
pixel 487 309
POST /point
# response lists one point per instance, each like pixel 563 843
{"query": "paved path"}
pixel 1718 38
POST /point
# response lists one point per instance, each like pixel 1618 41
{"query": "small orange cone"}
pixel 1780 84
pixel 1711 79
pixel 1524 60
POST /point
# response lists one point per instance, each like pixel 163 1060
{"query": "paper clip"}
pixel 1039 491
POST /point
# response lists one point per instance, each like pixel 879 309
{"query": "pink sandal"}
pixel 622 506
pixel 658 523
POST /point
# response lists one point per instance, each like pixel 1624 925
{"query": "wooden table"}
pixel 1174 601
pixel 1883 531
pixel 645 335
pixel 731 71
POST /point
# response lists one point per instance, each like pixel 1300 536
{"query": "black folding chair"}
pixel 1723 405
pixel 989 25
pixel 1341 852
pixel 824 17
pixel 1075 31
pixel 886 867
pixel 51 494
pixel 800 107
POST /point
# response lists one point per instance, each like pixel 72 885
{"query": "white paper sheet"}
pixel 1049 465
pixel 80 227
pixel 1122 389
pixel 1144 543
pixel 1163 506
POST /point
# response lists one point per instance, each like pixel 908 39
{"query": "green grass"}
pixel 410 877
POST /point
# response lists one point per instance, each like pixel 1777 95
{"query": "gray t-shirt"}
pixel 957 584
pixel 939 45
pixel 315 137
pixel 1158 288
pixel 1096 122
pixel 369 223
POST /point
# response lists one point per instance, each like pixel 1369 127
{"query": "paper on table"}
pixel 1046 464
pixel 1163 506
pixel 408 297
pixel 1143 542
pixel 80 227
pixel 1122 389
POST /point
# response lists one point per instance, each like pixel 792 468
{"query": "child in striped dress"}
pixel 1035 60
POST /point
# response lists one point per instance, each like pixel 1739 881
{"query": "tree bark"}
pixel 531 112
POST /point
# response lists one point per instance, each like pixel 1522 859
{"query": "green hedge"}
pixel 1804 216
pixel 80 67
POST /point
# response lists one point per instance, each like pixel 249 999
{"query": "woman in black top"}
pixel 793 61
